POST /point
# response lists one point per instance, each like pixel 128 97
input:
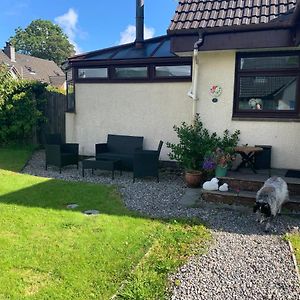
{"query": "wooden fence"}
pixel 55 114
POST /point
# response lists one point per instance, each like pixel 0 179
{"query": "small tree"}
pixel 43 39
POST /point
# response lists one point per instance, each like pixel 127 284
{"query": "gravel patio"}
pixel 242 263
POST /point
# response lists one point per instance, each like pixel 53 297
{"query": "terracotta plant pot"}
pixel 193 179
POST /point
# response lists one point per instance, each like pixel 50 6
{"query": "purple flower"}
pixel 209 164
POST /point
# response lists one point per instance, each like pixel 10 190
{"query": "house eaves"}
pixel 237 24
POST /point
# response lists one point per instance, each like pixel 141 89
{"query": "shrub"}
pixel 195 142
pixel 196 147
pixel 21 106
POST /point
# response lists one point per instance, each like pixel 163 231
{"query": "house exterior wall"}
pixel 142 109
pixel 218 68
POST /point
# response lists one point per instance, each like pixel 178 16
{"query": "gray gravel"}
pixel 242 263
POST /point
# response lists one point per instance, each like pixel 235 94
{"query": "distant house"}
pixel 32 68
pixel 236 63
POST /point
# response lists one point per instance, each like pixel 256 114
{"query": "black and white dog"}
pixel 269 199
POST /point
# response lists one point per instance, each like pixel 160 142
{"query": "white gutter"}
pixel 193 92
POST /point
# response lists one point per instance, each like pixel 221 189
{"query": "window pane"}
pixel 269 62
pixel 70 96
pixel 69 74
pixel 132 72
pixel 267 93
pixel 172 71
pixel 92 73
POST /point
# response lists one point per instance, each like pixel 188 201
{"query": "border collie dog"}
pixel 269 199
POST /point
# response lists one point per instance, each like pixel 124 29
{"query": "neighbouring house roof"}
pixel 203 14
pixel 57 81
pixel 34 68
pixel 267 86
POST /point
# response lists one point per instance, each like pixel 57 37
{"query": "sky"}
pixel 89 24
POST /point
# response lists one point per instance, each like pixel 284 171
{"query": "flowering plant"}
pixel 223 158
pixel 209 164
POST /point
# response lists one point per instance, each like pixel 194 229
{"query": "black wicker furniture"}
pixel 120 147
pixel 102 164
pixel 146 163
pixel 60 154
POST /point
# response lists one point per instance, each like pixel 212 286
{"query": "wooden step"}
pixel 237 185
pixel 243 198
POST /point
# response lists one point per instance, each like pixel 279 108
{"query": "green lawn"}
pixel 294 238
pixel 50 252
pixel 13 158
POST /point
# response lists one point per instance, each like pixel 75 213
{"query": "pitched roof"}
pixel 203 14
pixel 158 47
pixel 33 68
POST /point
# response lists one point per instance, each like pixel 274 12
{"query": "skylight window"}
pixel 31 71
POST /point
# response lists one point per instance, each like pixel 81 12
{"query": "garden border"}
pixel 294 259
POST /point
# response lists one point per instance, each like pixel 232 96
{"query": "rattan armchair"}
pixel 146 163
pixel 60 154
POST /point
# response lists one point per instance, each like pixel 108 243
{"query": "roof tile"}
pixel 33 68
pixel 199 14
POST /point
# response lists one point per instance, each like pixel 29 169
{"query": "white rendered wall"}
pixel 141 109
pixel 218 68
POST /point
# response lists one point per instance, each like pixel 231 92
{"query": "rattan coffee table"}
pixel 102 164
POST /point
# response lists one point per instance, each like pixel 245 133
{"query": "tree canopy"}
pixel 43 39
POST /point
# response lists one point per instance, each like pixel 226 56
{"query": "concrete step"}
pixel 242 197
pixel 254 185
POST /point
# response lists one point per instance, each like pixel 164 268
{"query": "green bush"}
pixel 196 143
pixel 21 108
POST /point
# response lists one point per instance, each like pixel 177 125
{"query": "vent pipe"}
pixel 139 23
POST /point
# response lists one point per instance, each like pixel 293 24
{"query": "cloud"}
pixel 68 22
pixel 129 34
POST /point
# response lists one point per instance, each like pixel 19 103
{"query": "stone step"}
pixel 254 185
pixel 243 198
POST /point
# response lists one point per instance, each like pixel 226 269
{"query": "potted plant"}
pixel 209 166
pixel 194 142
pixel 223 161
pixel 224 154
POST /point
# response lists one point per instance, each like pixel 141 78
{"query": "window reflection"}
pixel 267 93
pixel 70 96
pixel 269 62
pixel 173 71
pixel 92 73
pixel 131 72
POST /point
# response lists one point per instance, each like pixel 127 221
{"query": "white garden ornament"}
pixel 211 185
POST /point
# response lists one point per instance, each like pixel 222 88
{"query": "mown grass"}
pixel 50 252
pixel 14 157
pixel 176 242
pixel 294 238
